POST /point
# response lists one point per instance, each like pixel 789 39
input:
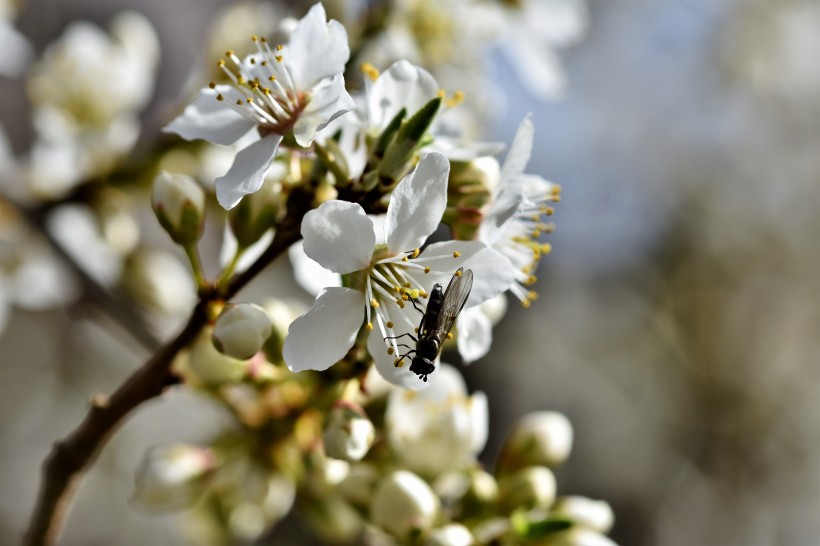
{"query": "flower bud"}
pixel 357 487
pixel 241 330
pixel 531 487
pixel 210 367
pixel 468 190
pixel 577 536
pixel 402 148
pixel 453 534
pixel 349 433
pixel 540 438
pixel 172 477
pixel 403 503
pixel 179 204
pixel 159 281
pixel 592 514
pixel 256 213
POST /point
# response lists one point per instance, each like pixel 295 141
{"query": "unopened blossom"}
pixel 530 487
pixel 241 330
pixel 348 434
pixel 179 203
pixel 402 503
pixel 447 430
pixel 592 514
pixel 514 221
pixel 538 438
pixel 382 279
pixel 453 534
pixel 296 88
pixel 173 477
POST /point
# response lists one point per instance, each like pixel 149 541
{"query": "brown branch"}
pixel 68 460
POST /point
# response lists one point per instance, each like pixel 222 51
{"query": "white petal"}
pixel 402 376
pixel 328 103
pixel 339 236
pixel 475 334
pixel 502 211
pixel 403 85
pixel 539 68
pixel 417 204
pixel 310 275
pixel 247 172
pixel 520 151
pixel 322 336
pixel 480 421
pixel 210 119
pixel 318 49
pixel 17 51
pixel 492 272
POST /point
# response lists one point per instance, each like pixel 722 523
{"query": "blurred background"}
pixel 678 324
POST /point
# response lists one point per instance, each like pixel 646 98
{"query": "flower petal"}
pixel 520 151
pixel 492 272
pixel 417 204
pixel 402 376
pixel 475 334
pixel 339 236
pixel 503 209
pixel 403 85
pixel 322 336
pixel 308 274
pixel 209 119
pixel 247 172
pixel 329 101
pixel 318 49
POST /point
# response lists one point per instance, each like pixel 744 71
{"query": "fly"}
pixel 437 320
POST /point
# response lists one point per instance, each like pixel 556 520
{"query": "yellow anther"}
pixel 263 40
pixel 457 273
pixel 426 269
pixel 423 294
pixel 389 324
pixel 536 217
pixel 254 38
pixel 272 78
pixel 449 335
pixel 253 60
pixel 458 98
pixel 546 248
pixel 416 253
pixel 266 90
pixel 220 63
pixel 229 53
pixel 212 85
pixel 264 63
pixel 400 303
pixel 414 294
pixel 279 47
pixel 549 228
pixel 390 350
pixel 441 93
pixel 404 258
pixel 239 102
pixel 405 297
pixel 220 97
pixel 456 254
pixel 526 303
pixel 369 326
pixel 241 80
pixel 416 330
pixel 556 189
pixel 527 268
pixel 556 198
pixel 399 362
pixel 278 58
pixel 249 100
pixel 370 71
pixel 549 211
pixel 532 279
pixel 532 295
pixel 374 303
pixel 401 290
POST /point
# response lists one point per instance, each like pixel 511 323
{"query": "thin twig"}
pixel 70 457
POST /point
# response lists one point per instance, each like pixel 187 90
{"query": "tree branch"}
pixel 65 465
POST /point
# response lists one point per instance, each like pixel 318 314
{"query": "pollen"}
pixel 441 93
pixel 549 211
pixel 416 253
pixel 370 326
pixel 370 71
pixel 229 53
pixel 449 335
pixel 414 293
pixel 220 63
pixel 456 254
pixel 219 97
pixel 254 38
pixel 212 85
pixel 398 362
pixel 404 259
pixel 426 269
pixel 457 273
pixel 374 303
pixel 279 47
pixel 389 324
pixel 390 350
pixel 278 58
pixel 546 248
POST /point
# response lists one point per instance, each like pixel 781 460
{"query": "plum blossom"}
pixel 379 280
pixel 297 89
pixel 514 219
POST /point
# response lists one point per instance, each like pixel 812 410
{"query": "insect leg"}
pixel 402 335
pixel 415 305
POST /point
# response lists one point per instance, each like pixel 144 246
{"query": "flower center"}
pixel 268 94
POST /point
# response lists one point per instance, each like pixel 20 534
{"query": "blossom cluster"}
pixel 407 232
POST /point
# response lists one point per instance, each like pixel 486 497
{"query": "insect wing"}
pixel 454 299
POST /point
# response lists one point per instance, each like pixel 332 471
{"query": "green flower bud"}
pixel 531 487
pixel 172 477
pixel 403 503
pixel 402 148
pixel 540 438
pixel 241 330
pixel 349 433
pixel 179 204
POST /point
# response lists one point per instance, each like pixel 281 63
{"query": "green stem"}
pixel 227 273
pixel 192 251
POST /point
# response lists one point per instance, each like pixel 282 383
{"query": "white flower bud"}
pixel 540 438
pixel 531 487
pixel 349 433
pixel 454 534
pixel 159 280
pixel 357 487
pixel 241 330
pixel 402 503
pixel 172 477
pixel 179 204
pixel 592 514
pixel 211 367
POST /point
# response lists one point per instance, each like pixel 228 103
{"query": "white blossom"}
pixel 402 503
pixel 340 237
pixel 439 429
pixel 241 330
pixel 295 88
